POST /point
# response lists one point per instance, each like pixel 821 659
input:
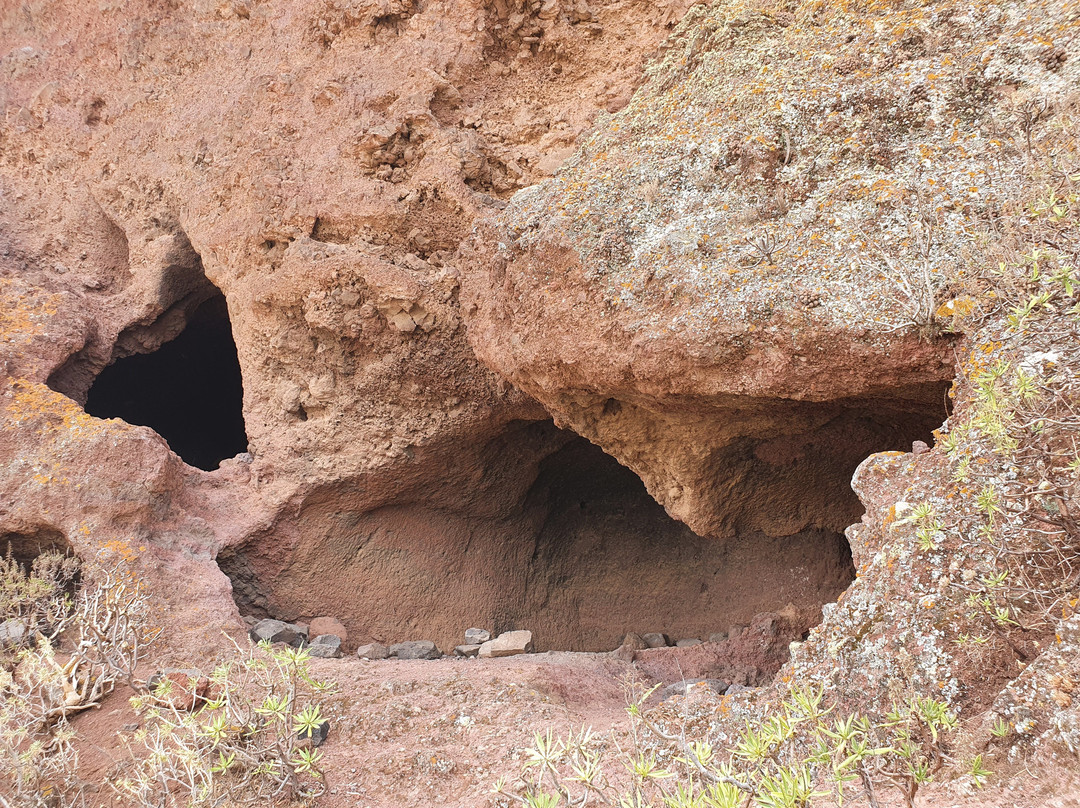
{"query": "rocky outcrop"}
pixel 316 164
pixel 686 294
pixel 755 268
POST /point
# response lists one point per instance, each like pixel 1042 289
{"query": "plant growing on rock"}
pixel 794 753
pixel 244 735
pixel 83 629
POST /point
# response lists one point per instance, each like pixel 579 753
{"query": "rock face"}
pixel 272 175
pixel 675 294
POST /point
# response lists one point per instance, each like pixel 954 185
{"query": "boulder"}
pixel 631 644
pixel 329 625
pixel 467 650
pixel 373 650
pixel 477 636
pixel 325 646
pixel 686 642
pixel 275 631
pixel 12 631
pixel 718 636
pixel 508 643
pixel 654 639
pixel 414 649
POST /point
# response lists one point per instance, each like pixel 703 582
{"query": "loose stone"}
pixel 414 649
pixel 507 644
pixel 373 650
pixel 275 631
pixel 325 645
pixel 329 625
pixel 477 636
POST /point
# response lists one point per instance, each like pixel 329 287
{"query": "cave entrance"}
pixel 608 560
pixel 537 528
pixel 24 546
pixel 189 390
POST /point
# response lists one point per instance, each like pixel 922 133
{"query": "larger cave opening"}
pixel 538 528
pixel 189 390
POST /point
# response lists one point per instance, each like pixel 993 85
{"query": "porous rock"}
pixel 373 650
pixel 414 649
pixel 631 644
pixel 509 643
pixel 329 625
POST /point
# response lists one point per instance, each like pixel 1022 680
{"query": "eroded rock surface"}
pixel 316 164
pixel 702 301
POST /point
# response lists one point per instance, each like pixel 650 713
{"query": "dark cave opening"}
pixel 607 559
pixel 539 529
pixel 24 546
pixel 189 390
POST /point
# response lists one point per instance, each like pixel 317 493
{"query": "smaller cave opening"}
pixel 24 546
pixel 189 390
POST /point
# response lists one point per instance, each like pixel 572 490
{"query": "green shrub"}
pixel 796 753
pixel 249 742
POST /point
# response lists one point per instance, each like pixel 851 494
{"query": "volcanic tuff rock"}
pixel 744 271
pixel 317 163
pixel 731 289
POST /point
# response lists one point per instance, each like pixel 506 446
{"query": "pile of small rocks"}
pixel 478 643
pixel 329 635
pixel 326 635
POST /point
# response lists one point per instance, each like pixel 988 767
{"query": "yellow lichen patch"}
pixel 957 307
pixel 121 549
pixel 24 312
pixel 34 403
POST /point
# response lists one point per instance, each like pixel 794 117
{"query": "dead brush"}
pixel 765 246
pixel 87 628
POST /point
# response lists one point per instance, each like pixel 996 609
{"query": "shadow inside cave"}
pixel 189 390
pixel 540 529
